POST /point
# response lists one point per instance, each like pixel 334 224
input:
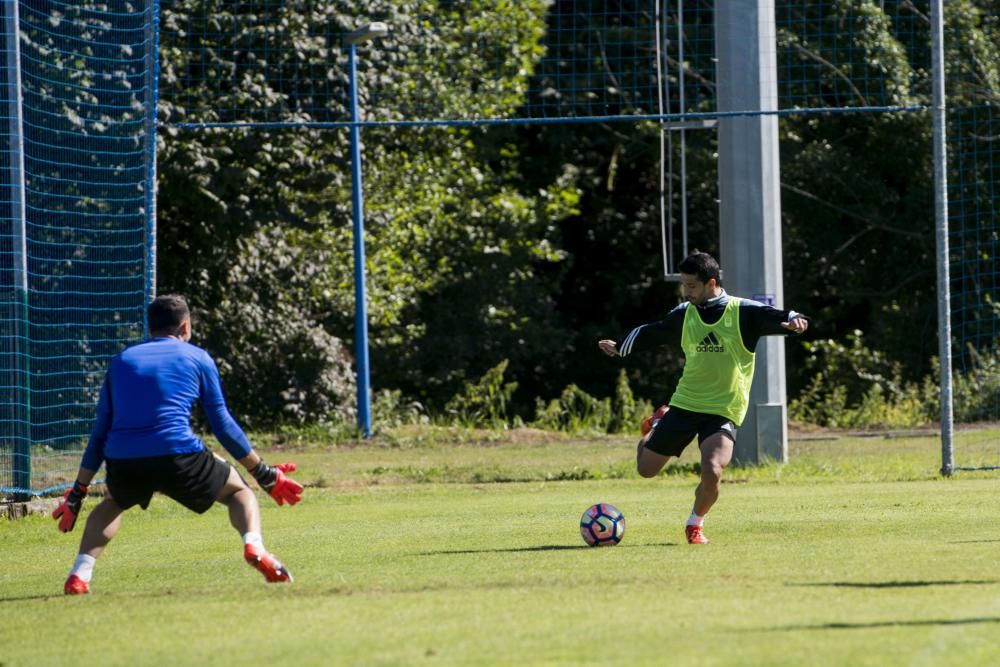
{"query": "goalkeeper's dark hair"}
pixel 166 314
pixel 703 265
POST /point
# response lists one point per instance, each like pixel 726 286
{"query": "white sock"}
pixel 254 539
pixel 695 520
pixel 83 567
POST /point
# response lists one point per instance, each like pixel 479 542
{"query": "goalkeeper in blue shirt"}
pixel 143 436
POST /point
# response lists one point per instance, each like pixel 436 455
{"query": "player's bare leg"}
pixel 102 525
pixel 716 453
pixel 244 514
pixel 647 462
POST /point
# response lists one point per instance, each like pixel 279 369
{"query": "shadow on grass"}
pixel 883 624
pixel 25 598
pixel 544 547
pixel 899 584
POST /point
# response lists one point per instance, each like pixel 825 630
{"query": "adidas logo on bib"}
pixel 710 344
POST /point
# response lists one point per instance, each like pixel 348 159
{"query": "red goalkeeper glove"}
pixel 273 480
pixel 70 506
pixel 652 420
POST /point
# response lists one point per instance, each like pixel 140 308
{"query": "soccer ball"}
pixel 602 525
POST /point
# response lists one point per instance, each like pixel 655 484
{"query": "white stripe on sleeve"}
pixel 626 347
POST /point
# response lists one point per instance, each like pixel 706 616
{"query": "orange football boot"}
pixel 266 564
pixel 652 420
pixel 694 535
pixel 75 586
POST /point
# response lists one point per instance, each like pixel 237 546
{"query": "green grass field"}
pixel 420 549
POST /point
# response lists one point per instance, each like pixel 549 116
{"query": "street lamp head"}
pixel 367 33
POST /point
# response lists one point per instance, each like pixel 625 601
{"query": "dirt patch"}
pixel 19 510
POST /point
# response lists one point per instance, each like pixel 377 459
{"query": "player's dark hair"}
pixel 703 265
pixel 166 313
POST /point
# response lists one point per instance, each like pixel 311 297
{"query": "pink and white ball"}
pixel 602 525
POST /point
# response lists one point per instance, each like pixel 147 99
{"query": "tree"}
pixel 255 225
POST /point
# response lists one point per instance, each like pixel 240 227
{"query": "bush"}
pixel 308 380
pixel 626 412
pixel 575 411
pixel 856 387
pixel 976 393
pixel 389 410
pixel 485 403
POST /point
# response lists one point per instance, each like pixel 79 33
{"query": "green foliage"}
pixel 576 411
pixel 278 362
pixel 484 403
pixel 530 243
pixel 854 386
pixel 458 249
pixel 255 226
pixel 390 410
pixel 976 392
pixel 626 411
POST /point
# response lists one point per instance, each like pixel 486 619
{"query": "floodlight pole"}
pixel 360 36
pixel 750 204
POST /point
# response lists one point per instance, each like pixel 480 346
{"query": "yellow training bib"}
pixel 718 369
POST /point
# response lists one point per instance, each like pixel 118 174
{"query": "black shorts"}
pixel 678 427
pixel 193 480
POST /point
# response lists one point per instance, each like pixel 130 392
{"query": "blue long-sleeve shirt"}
pixel 145 405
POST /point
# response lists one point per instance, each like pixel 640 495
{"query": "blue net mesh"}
pixel 590 60
pixel 852 54
pixel 87 91
pixel 76 210
pixel 975 232
pixel 275 62
pixel 974 229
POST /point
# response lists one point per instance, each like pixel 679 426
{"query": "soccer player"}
pixel 143 435
pixel 717 334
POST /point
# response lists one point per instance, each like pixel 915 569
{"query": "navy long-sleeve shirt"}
pixel 756 320
pixel 145 405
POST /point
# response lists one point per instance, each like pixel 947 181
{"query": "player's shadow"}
pixel 898 584
pixel 25 598
pixel 973 541
pixel 881 624
pixel 542 547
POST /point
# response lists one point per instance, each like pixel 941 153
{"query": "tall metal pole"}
pixel 941 229
pixel 682 107
pixel 663 93
pixel 750 204
pixel 360 300
pixel 153 91
pixel 21 330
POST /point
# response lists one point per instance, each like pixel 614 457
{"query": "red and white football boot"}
pixel 76 586
pixel 650 422
pixel 266 564
pixel 694 535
